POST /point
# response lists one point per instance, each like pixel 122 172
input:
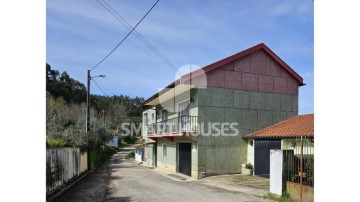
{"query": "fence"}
pixel 300 161
pixel 177 124
pixel 299 169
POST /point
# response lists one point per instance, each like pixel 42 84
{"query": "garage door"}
pixel 185 158
pixel 262 156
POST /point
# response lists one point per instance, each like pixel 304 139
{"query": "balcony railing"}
pixel 177 124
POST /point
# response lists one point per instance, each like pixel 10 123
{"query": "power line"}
pixel 99 87
pixel 125 37
pixel 117 16
pixel 109 92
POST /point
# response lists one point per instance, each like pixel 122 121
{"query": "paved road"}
pixel 123 180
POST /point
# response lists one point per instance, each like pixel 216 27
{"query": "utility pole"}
pixel 88 117
pixel 88 114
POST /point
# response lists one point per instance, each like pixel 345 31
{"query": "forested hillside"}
pixel 66 112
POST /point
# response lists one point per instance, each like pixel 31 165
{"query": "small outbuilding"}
pixel 283 135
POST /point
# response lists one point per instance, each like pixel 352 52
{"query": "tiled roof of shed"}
pixel 301 125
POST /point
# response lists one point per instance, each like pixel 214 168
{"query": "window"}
pixel 145 120
pixel 164 115
pixel 164 150
pixel 152 117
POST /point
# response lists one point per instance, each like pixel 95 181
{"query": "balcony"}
pixel 174 125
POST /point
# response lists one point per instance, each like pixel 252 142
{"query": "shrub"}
pixel 100 155
pixel 54 142
pixel 249 166
pixel 285 197
pixel 130 155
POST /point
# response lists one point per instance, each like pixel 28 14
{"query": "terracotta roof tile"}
pixel 301 125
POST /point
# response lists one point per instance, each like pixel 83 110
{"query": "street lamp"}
pixel 88 112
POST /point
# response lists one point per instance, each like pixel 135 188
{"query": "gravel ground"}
pixel 123 179
pixel 92 188
pixel 132 182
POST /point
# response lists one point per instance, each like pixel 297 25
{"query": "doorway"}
pixel 185 158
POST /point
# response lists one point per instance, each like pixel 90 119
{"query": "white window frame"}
pixel 145 119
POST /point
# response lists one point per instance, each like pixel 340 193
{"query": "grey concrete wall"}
pixel 251 110
pixel 62 165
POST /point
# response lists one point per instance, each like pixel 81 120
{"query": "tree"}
pixel 64 86
pixel 66 111
pixel 117 114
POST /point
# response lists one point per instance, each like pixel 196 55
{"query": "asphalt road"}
pixel 122 179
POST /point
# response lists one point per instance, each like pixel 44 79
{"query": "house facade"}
pixel 196 125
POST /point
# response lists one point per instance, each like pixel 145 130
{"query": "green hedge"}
pixel 100 155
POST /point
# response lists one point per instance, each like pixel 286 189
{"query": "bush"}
pixel 249 166
pixel 54 142
pixel 130 155
pixel 100 155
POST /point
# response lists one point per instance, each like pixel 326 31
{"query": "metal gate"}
pixel 185 158
pixel 299 161
pixel 262 156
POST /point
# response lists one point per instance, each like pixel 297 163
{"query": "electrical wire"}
pixel 125 37
pixel 117 16
pixel 99 87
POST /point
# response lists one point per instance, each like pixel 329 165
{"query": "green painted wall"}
pixel 219 154
pixel 170 161
pixel 252 110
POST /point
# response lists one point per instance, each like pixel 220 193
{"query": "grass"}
pixel 285 197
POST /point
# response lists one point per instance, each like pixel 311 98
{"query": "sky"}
pixel 79 34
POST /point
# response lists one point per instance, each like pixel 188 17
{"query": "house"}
pixel 196 124
pixel 284 135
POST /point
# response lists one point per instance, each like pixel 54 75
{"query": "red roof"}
pixel 301 125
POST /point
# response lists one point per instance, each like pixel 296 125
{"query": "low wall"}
pixel 139 155
pixel 294 190
pixel 83 160
pixel 63 165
